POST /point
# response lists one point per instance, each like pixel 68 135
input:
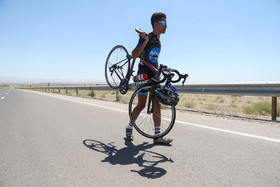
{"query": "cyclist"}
pixel 148 48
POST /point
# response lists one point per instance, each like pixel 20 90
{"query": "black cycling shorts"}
pixel 143 69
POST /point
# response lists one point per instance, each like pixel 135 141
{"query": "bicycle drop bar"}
pixel 180 76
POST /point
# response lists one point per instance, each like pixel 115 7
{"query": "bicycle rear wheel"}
pixel 144 124
pixel 117 66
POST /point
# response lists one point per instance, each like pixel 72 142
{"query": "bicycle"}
pixel 118 74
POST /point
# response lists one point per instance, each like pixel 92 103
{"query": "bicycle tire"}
pixel 117 66
pixel 144 123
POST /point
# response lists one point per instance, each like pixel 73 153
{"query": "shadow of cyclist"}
pixel 132 154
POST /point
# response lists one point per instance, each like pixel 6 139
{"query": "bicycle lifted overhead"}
pixel 118 72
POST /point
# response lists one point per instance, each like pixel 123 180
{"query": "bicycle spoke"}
pixel 145 122
pixel 114 80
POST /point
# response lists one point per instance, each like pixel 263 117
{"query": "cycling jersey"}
pixel 149 54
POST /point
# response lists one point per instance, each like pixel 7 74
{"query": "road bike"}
pixel 118 73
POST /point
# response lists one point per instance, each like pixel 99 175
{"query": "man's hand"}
pixel 144 35
pixel 138 50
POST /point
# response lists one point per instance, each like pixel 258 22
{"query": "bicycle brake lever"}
pixel 185 77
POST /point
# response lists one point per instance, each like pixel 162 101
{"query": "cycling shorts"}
pixel 143 92
pixel 143 69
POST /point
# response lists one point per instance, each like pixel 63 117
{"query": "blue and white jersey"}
pixel 151 50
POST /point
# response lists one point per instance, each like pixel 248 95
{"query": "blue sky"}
pixel 214 41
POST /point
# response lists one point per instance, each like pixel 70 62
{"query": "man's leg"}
pixel 157 116
pixel 139 107
pixel 135 113
pixel 157 122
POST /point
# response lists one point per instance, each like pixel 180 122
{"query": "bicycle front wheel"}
pixel 144 123
pixel 117 66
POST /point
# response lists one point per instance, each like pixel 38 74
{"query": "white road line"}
pixel 182 122
pixel 110 108
pixel 67 99
pixel 231 132
pixel 2 98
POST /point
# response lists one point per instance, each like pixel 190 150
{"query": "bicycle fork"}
pixel 151 100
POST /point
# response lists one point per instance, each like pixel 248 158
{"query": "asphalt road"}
pixel 56 140
pixel 4 93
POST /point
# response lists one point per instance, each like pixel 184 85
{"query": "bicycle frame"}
pixel 125 86
pixel 152 91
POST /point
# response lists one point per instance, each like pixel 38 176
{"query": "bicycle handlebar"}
pixel 164 69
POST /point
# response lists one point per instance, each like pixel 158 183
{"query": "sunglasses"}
pixel 163 23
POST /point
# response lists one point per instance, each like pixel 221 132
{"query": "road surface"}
pixel 57 140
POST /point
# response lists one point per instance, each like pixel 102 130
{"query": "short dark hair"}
pixel 156 17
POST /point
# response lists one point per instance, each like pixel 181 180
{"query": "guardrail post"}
pixel 117 95
pixel 274 108
pixel 66 91
pixel 77 93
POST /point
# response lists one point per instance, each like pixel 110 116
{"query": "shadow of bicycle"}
pixel 132 154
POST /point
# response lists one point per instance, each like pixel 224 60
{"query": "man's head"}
pixel 158 21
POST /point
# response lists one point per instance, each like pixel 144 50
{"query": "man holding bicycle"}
pixel 148 48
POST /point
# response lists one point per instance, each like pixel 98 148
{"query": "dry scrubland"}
pixel 3 87
pixel 246 106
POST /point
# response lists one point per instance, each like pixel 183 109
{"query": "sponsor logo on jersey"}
pixel 153 54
